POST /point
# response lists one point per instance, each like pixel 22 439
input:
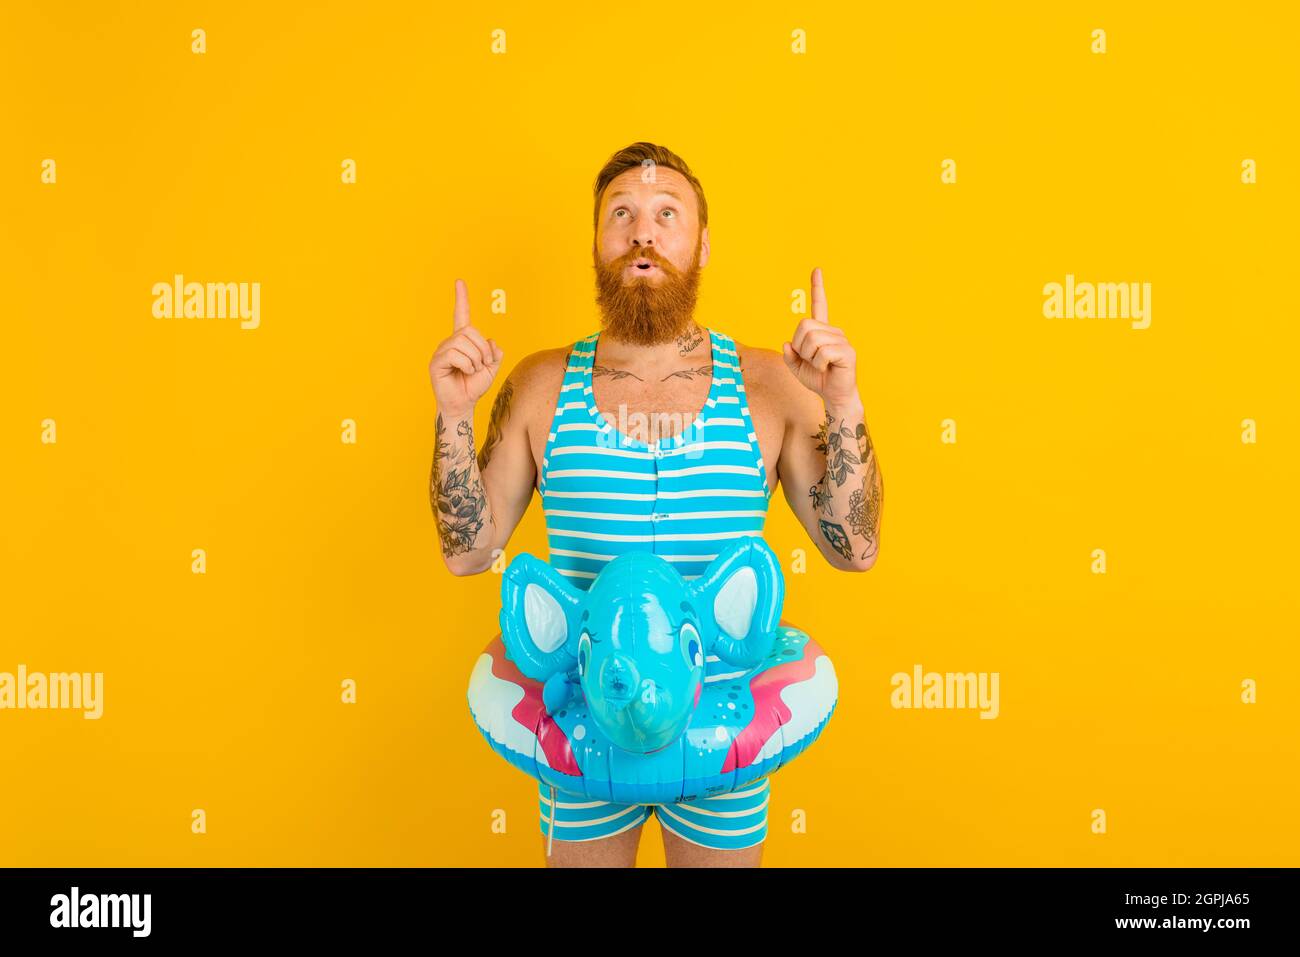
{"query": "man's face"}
pixel 649 251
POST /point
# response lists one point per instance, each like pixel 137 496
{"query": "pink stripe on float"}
pixel 531 712
pixel 770 712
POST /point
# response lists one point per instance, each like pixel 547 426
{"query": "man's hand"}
pixel 828 464
pixel 820 356
pixel 464 364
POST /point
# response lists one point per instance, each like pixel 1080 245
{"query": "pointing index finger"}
pixel 819 311
pixel 460 318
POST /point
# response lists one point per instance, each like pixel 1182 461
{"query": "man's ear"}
pixel 539 617
pixel 740 596
pixel 704 247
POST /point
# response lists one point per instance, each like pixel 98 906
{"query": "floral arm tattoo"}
pixel 500 412
pixel 456 490
pixel 848 498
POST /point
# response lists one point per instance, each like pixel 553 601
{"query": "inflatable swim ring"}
pixel 647 688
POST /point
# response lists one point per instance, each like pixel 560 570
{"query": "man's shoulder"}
pixel 541 368
pixel 535 380
pixel 773 391
pixel 760 366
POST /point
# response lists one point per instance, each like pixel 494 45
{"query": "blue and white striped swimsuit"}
pixel 604 494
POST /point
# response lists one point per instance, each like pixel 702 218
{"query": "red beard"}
pixel 641 313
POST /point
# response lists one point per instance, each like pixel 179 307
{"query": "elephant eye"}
pixel 692 650
pixel 584 653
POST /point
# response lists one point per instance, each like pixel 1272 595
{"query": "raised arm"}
pixel 828 465
pixel 477 495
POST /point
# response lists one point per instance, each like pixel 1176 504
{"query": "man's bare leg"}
pixel 617 850
pixel 682 853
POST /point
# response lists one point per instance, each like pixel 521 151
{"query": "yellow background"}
pixel 222 691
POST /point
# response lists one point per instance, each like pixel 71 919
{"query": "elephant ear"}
pixel 739 597
pixel 539 614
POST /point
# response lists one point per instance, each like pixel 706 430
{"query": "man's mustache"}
pixel 628 258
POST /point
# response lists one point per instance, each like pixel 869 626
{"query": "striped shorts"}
pixel 727 822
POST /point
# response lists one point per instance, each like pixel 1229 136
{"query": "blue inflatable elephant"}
pixel 636 642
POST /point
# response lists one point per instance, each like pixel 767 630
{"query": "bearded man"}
pixel 653 433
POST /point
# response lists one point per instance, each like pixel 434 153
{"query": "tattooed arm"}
pixel 479 498
pixel 836 463
pixel 831 479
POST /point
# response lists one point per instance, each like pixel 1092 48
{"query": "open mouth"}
pixel 644 265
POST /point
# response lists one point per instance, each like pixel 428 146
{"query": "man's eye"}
pixel 619 210
pixel 669 213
